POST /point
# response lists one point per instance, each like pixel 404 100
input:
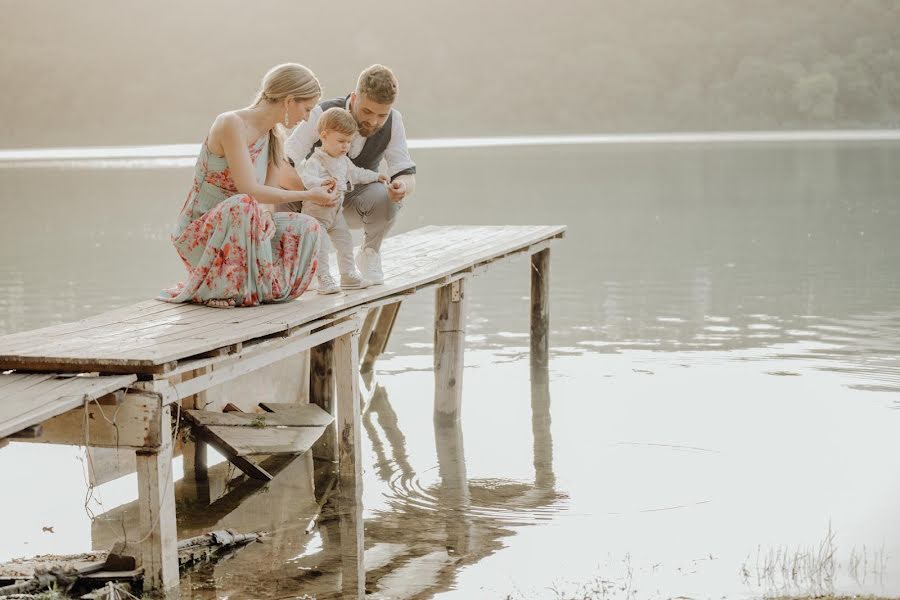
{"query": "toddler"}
pixel 329 165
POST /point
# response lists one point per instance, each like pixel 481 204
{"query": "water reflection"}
pixel 465 519
pixel 738 300
pixel 413 547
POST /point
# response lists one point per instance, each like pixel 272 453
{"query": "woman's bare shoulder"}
pixel 227 124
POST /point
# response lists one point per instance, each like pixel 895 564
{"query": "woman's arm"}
pixel 234 145
pixel 288 178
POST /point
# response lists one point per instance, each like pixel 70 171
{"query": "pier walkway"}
pixel 128 378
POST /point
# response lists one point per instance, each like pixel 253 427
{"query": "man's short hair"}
pixel 337 119
pixel 378 83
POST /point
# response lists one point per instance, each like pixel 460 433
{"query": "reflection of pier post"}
pixel 544 478
pixel 454 491
pixel 350 514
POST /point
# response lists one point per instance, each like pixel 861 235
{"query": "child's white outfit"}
pixel 317 168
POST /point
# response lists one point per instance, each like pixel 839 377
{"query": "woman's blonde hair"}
pixel 289 80
pixel 337 119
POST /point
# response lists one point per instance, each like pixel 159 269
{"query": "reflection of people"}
pixel 237 254
pixel 372 207
pixel 329 166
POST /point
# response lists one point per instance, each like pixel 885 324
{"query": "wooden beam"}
pixel 194 455
pixel 367 327
pixel 156 499
pixel 380 335
pixel 321 393
pixel 252 359
pixel 129 423
pixel 449 342
pixel 211 436
pixel 29 432
pixel 540 308
pixel 346 373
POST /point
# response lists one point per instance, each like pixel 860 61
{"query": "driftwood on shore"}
pixel 62 573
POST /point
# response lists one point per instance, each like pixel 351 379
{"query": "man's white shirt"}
pixel 304 137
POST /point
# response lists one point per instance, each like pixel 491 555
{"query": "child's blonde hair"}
pixel 337 119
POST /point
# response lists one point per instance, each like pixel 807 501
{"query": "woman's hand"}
pixel 323 195
pixel 268 226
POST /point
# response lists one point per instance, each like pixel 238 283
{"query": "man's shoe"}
pixel 327 284
pixel 369 263
pixel 354 281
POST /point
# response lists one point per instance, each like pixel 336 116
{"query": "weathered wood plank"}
pixel 243 363
pixel 304 415
pixel 540 308
pixel 251 441
pixel 322 394
pixel 21 406
pixel 449 341
pixel 247 466
pixel 297 415
pixel 128 423
pixel 180 331
pixel 367 327
pixel 346 372
pixel 156 497
pixel 154 339
pixel 380 335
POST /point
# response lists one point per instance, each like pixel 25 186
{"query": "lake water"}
pixel 720 417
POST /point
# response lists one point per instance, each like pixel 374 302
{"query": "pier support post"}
pixel 380 335
pixel 540 308
pixel 156 498
pixel 368 327
pixel 193 451
pixel 346 375
pixel 449 340
pixel 321 393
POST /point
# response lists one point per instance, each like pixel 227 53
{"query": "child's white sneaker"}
pixel 354 281
pixel 369 263
pixel 327 284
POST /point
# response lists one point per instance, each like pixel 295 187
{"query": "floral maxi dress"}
pixel 219 237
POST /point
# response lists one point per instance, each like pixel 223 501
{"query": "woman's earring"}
pixel 285 118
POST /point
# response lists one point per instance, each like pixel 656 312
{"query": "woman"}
pixel 236 253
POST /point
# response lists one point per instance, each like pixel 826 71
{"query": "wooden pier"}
pixel 130 377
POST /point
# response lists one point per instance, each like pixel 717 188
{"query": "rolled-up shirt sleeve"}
pixel 300 143
pixel 397 154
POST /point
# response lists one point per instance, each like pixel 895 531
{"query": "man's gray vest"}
pixel 373 150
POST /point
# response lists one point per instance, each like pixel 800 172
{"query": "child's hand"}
pixel 329 184
pixel 384 179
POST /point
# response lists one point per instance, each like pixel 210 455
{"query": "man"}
pixel 373 206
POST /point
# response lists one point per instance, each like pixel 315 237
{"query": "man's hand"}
pixel 397 190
